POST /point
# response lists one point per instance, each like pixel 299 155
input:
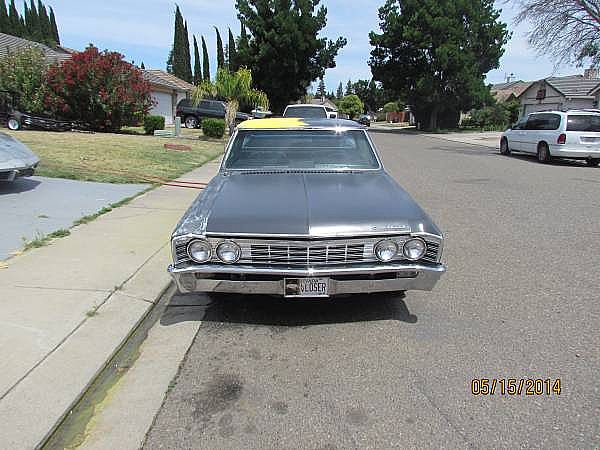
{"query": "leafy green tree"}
pixel 54 27
pixel 232 53
pixel 340 91
pixel 234 88
pixel 197 66
pixel 220 53
pixel 284 49
pixel 205 63
pixel 392 107
pixel 351 105
pixel 435 54
pixel 23 72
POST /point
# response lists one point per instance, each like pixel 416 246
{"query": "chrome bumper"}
pixel 213 278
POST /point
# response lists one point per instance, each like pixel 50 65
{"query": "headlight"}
pixel 414 248
pixel 229 252
pixel 386 250
pixel 199 250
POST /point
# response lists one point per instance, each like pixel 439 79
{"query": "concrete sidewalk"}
pixel 66 308
pixel 485 139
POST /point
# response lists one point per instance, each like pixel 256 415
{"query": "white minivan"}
pixel 572 134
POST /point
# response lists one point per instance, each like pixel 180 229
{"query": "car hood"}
pixel 14 154
pixel 305 204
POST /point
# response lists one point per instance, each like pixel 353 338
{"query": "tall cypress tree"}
pixel 197 66
pixel 349 89
pixel 26 19
pixel 220 53
pixel 205 63
pixel 45 27
pixel 321 91
pixel 242 47
pixel 4 22
pixel 340 91
pixel 33 27
pixel 186 55
pixel 175 62
pixel 232 53
pixel 142 66
pixel 15 25
pixel 53 27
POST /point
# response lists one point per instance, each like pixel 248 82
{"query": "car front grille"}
pixel 307 253
pixel 303 254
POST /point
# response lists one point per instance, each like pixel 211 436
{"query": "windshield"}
pixel 301 149
pixel 583 123
pixel 306 112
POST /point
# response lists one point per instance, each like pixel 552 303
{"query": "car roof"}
pixel 304 105
pixel 296 123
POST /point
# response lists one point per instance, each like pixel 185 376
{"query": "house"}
pixel 509 91
pixel 325 102
pixel 167 91
pixel 12 44
pixel 562 93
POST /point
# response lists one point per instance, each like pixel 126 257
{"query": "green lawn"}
pixel 115 158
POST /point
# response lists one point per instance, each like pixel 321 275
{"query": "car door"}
pixel 530 136
pixel 515 134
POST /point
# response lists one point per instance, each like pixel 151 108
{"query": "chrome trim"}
pixel 417 277
pixel 433 244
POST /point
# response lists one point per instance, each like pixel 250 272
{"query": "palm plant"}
pixel 233 87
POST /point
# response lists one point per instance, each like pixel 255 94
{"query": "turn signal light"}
pixel 562 139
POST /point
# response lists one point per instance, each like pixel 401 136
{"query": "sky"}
pixel 143 31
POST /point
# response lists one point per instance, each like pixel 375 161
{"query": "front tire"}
pixel 13 124
pixel 504 148
pixel 593 162
pixel 543 153
pixel 191 122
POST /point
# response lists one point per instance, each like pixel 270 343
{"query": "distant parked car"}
pixel 16 159
pixel 573 134
pixel 364 119
pixel 309 111
pixel 192 115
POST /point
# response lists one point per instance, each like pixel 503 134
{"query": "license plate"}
pixel 307 287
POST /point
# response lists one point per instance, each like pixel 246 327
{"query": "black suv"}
pixel 192 115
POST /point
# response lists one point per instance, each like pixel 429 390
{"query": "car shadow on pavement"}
pixel 554 162
pixel 272 311
pixel 18 186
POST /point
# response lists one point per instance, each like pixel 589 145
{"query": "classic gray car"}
pixel 304 208
pixel 16 160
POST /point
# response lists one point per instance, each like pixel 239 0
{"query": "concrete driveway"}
pixel 520 300
pixel 38 205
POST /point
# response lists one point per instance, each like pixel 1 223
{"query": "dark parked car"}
pixel 192 116
pixel 304 208
pixel 364 119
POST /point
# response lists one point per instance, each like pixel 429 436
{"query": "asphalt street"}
pixel 38 205
pixel 520 300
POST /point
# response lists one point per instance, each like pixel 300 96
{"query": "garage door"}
pixel 543 107
pixel 163 106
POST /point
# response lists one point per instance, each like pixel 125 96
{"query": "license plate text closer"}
pixel 307 287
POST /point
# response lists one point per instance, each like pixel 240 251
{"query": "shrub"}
pixel 214 128
pixel 23 72
pixel 152 123
pixel 351 105
pixel 100 89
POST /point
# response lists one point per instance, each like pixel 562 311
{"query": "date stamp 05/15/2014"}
pixel 516 386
